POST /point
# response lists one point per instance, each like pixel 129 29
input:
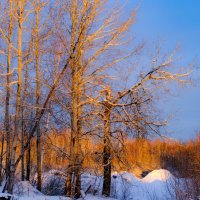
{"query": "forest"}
pixel 79 106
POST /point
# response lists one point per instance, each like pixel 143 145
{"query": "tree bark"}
pixel 38 86
pixel 73 174
pixel 107 152
pixel 22 145
pixel 73 182
pixel 7 107
pixel 1 159
pixel 24 131
pixel 28 162
pixel 18 99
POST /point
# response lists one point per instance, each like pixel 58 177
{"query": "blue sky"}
pixel 176 22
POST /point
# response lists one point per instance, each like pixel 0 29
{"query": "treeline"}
pixel 136 156
pixel 66 65
pixel 180 158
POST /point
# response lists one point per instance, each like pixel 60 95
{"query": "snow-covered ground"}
pixel 25 191
pixel 125 186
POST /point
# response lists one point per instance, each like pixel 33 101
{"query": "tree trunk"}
pixel 7 107
pixel 107 147
pixel 39 164
pixel 70 182
pixel 73 176
pixel 78 156
pixel 73 183
pixel 28 162
pixel 1 159
pixel 24 131
pixel 26 156
pixel 106 169
pixel 22 145
pixel 18 99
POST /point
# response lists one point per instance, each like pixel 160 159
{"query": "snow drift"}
pixel 125 186
pixel 158 175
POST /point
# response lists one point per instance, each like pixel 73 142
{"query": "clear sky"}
pixel 176 22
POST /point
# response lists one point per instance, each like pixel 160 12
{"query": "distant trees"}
pixel 65 55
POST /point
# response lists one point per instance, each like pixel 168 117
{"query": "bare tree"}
pixel 84 69
pixel 6 32
pixel 7 108
pixel 38 91
pixel 20 12
pixel 159 74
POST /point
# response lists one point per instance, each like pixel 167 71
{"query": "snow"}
pixel 5 195
pixel 25 191
pixel 24 188
pixel 158 175
pixel 53 183
pixel 153 186
pixel 91 197
pixel 125 186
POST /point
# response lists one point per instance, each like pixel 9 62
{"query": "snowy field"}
pixel 125 186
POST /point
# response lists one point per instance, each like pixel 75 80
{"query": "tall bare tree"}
pixel 20 12
pixel 38 93
pixel 7 33
pixel 7 108
pixel 160 74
